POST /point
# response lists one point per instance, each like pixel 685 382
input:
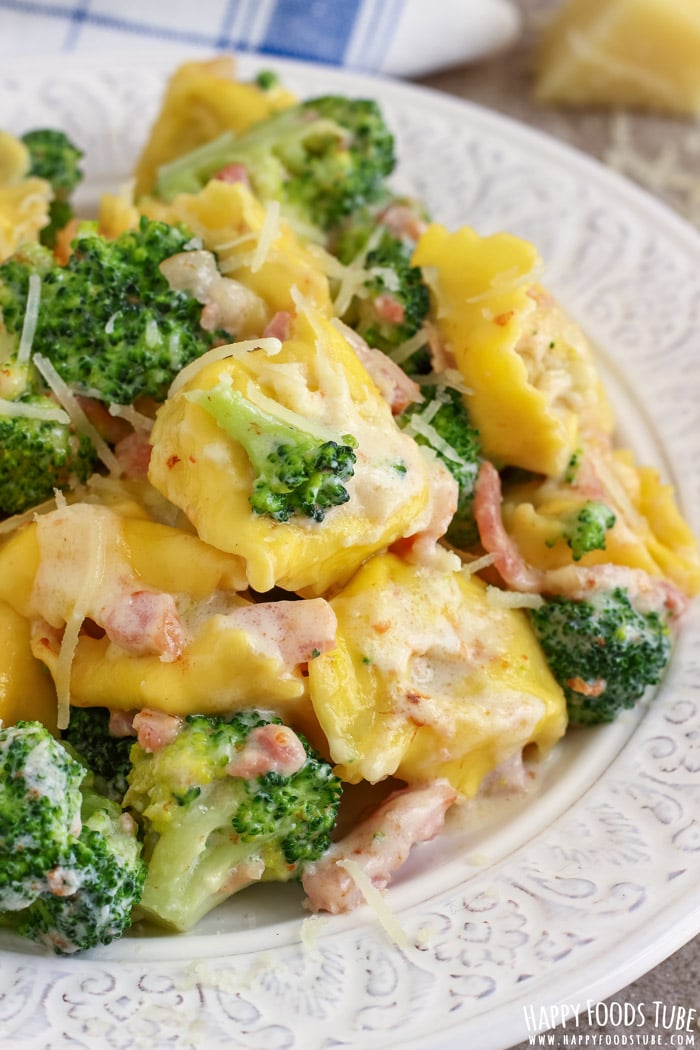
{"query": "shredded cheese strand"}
pixel 376 902
pixel 407 349
pixel 31 316
pixel 219 353
pixel 418 425
pixel 26 410
pixel 512 599
pixel 95 558
pixel 131 415
pixel 80 421
pixel 268 235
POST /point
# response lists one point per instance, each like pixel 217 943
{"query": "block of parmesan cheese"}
pixel 634 53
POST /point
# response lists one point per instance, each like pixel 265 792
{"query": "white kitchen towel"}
pixel 395 37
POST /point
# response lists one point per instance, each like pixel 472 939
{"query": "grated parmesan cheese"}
pixel 26 410
pixel 419 425
pixel 477 564
pixel 268 235
pixel 80 421
pixel 375 900
pixel 512 599
pixel 31 316
pixel 131 415
pixel 269 345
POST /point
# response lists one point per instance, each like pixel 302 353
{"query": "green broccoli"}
pixel 108 320
pixel 296 473
pixel 393 302
pixel 584 529
pixel 210 832
pixel 441 421
pixel 53 157
pixel 323 159
pixel 39 454
pixel 70 867
pixel 603 652
pixel 105 755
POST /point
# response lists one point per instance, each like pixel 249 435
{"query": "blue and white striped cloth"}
pixel 396 37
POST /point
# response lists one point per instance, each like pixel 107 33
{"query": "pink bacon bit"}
pixel 403 220
pixel 380 844
pixel 155 729
pixel 397 388
pixel 268 749
pixel 233 173
pixel 279 326
pixel 508 561
pixel 133 454
pixel 121 723
pixel 144 622
pixel 388 308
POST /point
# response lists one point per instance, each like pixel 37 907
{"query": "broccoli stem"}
pixel 186 880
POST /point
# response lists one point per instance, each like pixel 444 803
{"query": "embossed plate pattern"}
pixel 595 879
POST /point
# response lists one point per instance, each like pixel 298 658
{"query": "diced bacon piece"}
pixel 594 688
pixel 233 173
pixel 279 326
pixel 109 427
pixel 292 631
pixel 144 622
pixel 155 729
pixel 403 220
pixel 388 308
pixel 398 389
pixel 133 454
pixel 268 749
pixel 121 723
pixel 509 562
pixel 380 844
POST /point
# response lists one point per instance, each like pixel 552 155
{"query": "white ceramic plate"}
pixel 566 897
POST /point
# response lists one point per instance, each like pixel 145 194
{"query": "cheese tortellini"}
pixel 429 678
pixel 531 381
pixel 317 378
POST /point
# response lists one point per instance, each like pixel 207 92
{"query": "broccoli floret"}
pixel 209 833
pixel 584 529
pixel 70 867
pixel 105 755
pixel 603 652
pixel 108 320
pixel 295 472
pixel 53 157
pixel 322 159
pixel 39 455
pixel 393 302
pixel 267 79
pixel 441 421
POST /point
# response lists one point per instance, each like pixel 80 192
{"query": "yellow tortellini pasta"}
pixel 317 377
pixel 202 100
pixel 429 678
pixel 649 532
pixel 26 689
pixel 531 381
pixel 169 626
pixel 253 246
pixel 24 199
